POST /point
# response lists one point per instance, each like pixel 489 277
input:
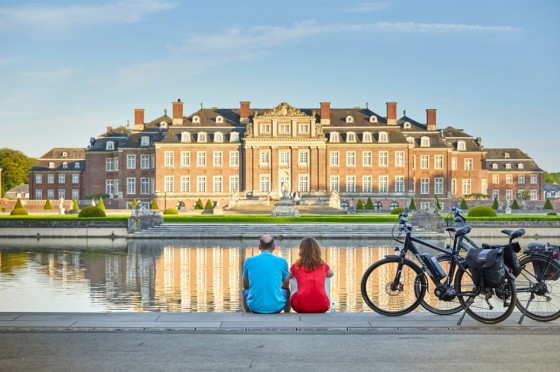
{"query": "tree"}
pixel 464 205
pixel 369 204
pixel 360 204
pixel 18 204
pixel 412 205
pixel 75 206
pixel 548 204
pixel 48 204
pixel 134 203
pixel 154 206
pixel 495 205
pixel 552 177
pixel 209 205
pixel 514 205
pixel 199 204
pixel 15 168
pixel 101 204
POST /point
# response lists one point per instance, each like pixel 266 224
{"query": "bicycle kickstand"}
pixel 469 302
pixel 526 307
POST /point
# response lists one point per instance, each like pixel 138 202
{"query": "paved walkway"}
pixel 254 323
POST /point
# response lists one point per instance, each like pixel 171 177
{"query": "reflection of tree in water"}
pixel 11 261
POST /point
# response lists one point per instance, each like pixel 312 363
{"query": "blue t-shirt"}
pixel 265 273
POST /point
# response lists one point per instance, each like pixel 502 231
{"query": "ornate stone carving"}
pixel 284 110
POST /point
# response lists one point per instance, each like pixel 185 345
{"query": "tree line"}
pixel 15 168
pixel 552 177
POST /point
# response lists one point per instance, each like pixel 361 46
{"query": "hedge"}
pixel 91 211
pixel 171 211
pixel 19 212
pixel 482 211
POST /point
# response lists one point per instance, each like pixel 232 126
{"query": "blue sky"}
pixel 69 69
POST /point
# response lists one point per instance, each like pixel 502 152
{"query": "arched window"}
pixel 506 155
pixel 373 119
pixel 77 165
pixel 410 140
pixel 508 166
pixel 110 145
pixel 461 146
pixel 219 119
pixel 218 137
pixel 202 137
pixel 351 137
pixel 407 125
pixel 383 137
pixel 349 119
pixel 196 119
pixel 494 166
pixel 65 165
pixel 425 142
pixel 334 137
pixel 520 166
pixel 185 137
pixel 367 137
pixel 234 137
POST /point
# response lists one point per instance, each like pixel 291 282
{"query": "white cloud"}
pixel 51 75
pixel 367 7
pixel 4 61
pixel 57 19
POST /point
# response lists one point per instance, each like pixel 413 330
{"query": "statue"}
pixel 285 192
pixel 61 205
pixel 334 200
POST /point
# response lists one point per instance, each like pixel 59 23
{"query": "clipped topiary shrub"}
pixel 482 211
pixel 552 214
pixel 514 205
pixel 154 206
pixel 91 211
pixel 495 205
pixel 464 205
pixel 171 211
pixel 369 204
pixel 75 206
pixel 101 204
pixel 48 204
pixel 360 204
pixel 18 204
pixel 199 204
pixel 437 203
pixel 412 205
pixel 134 203
pixel 397 210
pixel 209 205
pixel 19 212
pixel 547 204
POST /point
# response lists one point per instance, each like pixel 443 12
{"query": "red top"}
pixel 310 296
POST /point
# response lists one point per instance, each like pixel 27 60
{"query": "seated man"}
pixel 265 281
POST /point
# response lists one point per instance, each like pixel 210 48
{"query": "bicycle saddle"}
pixel 462 230
pixel 514 234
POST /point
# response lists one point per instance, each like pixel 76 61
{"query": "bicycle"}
pixel 396 285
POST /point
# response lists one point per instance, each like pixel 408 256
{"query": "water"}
pixel 169 276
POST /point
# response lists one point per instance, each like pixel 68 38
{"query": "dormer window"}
pixel 234 137
pixel 494 166
pixel 201 137
pixel 410 140
pixel 185 137
pixel 334 137
pixel 51 164
pixel 65 165
pixel 145 141
pixel 508 166
pixel 367 137
pixel 64 154
pixel 218 137
pixel 219 119
pixel 349 119
pixel 373 119
pixel 461 146
pixel 425 142
pixel 383 137
pixel 77 165
pixel 351 137
pixel 407 125
pixel 506 155
pixel 110 145
pixel 196 119
pixel 520 166
pixel 163 124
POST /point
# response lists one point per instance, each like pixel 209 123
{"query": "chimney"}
pixel 325 113
pixel 138 119
pixel 244 110
pixel 178 112
pixel 431 119
pixel 391 113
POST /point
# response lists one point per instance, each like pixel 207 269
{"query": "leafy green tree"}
pixel 199 204
pixel 154 206
pixel 48 204
pixel 412 205
pixel 209 205
pixel 75 206
pixel 360 204
pixel 552 177
pixel 369 204
pixel 15 168
pixel 464 205
pixel 514 205
pixel 495 205
pixel 101 204
pixel 548 204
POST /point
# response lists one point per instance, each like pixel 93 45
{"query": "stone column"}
pixel 295 165
pixel 322 169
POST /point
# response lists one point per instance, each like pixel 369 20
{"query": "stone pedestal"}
pixel 284 208
pixel 429 221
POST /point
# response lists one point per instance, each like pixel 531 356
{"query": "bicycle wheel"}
pixel 432 303
pixel 487 305
pixel 538 290
pixel 403 298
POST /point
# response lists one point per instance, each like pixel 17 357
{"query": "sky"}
pixel 69 69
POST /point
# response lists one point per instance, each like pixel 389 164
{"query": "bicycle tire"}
pixel 487 305
pixel 378 295
pixel 435 305
pixel 545 306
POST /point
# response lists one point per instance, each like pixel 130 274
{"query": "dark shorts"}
pixel 285 292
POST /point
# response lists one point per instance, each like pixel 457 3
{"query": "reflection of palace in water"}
pixel 191 275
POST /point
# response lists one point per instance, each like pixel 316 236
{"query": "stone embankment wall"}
pixel 59 229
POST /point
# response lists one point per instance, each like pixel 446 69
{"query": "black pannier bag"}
pixel 510 257
pixel 545 271
pixel 487 267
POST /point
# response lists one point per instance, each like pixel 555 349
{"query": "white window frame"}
pixel 303 183
pixel 424 186
pixel 218 158
pixel 399 184
pixel 367 159
pixel 438 161
pixel 75 178
pixel 144 161
pixel 201 158
pixel 185 184
pixel 350 158
pixel 264 183
pixel 264 157
pixel 383 158
pixel 233 184
pixel 350 183
pixel 284 158
pixel 303 157
pixel 383 185
pixel 424 162
pixel 218 184
pixel 334 158
pixel 334 183
pixel 234 158
pixel 399 158
pixel 467 186
pixel 144 186
pixel 438 186
pixel 185 158
pixel 367 184
pixel 201 184
pixel 130 161
pixel 131 186
pixel 469 164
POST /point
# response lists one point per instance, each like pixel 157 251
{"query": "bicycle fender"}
pixel 408 260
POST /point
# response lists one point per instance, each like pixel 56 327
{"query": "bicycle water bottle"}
pixel 333 307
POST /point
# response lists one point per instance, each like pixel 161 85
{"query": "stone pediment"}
pixel 284 110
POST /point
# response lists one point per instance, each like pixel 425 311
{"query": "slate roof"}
pixel 57 158
pixel 512 156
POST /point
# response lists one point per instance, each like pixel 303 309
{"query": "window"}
pixel 201 158
pixel 50 178
pixel 110 145
pixel 367 137
pixel 425 186
pixel 424 205
pixel 506 155
pixel 509 194
pixel 533 179
pixel 495 194
pixel 169 158
pixel 196 119
pixel 185 137
pixel 304 128
pixel 131 186
pixel 284 128
pixel 284 158
pixel 461 146
pixel 453 186
pixel 438 161
pixel 438 186
pixel 410 140
pixel 264 183
pixel 399 184
pixel 50 194
pixel 234 137
pixel 373 119
pixel 38 178
pixel 407 125
pixel 495 178
pixel 350 183
pixel 61 193
pixel 76 194
pixel 383 158
pixel 468 164
pixel 424 162
pixel 399 158
pixel 265 128
pixel 303 184
pixel 533 194
pixel 144 186
pixel 185 184
pixel 65 165
pixel 218 158
pixel 484 186
pixel 453 163
pixel 334 137
pixel 144 161
pixel 349 119
pixel 75 178
pixel 202 137
pixel 335 183
pixel 466 187
pixel 109 187
pixel 201 184
pixel 51 165
pixel 109 165
pixel 218 184
pixel 234 158
pixel 509 178
pixel 520 166
pixel 521 179
pixel 366 159
pixel 77 165
pixel 265 158
pixel 233 184
pixel 38 194
pixel 425 142
pixel 508 166
pixel 351 159
pixel 185 159
pixel 334 159
pixel 304 158
pixel 383 183
pixel 383 137
pixel 218 136
pixel 131 162
pixel 145 141
pixel 494 166
pixel 116 161
pixel 351 137
pixel 366 184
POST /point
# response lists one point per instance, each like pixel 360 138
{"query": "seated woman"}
pixel 310 273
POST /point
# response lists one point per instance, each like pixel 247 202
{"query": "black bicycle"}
pixel 396 285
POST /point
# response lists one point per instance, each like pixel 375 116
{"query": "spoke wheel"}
pixel 432 303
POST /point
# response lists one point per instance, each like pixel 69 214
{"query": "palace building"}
pixel 255 153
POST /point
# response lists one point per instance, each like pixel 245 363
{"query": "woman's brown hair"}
pixel 309 254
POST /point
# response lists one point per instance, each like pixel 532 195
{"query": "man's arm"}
pixel 245 282
pixel 286 283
